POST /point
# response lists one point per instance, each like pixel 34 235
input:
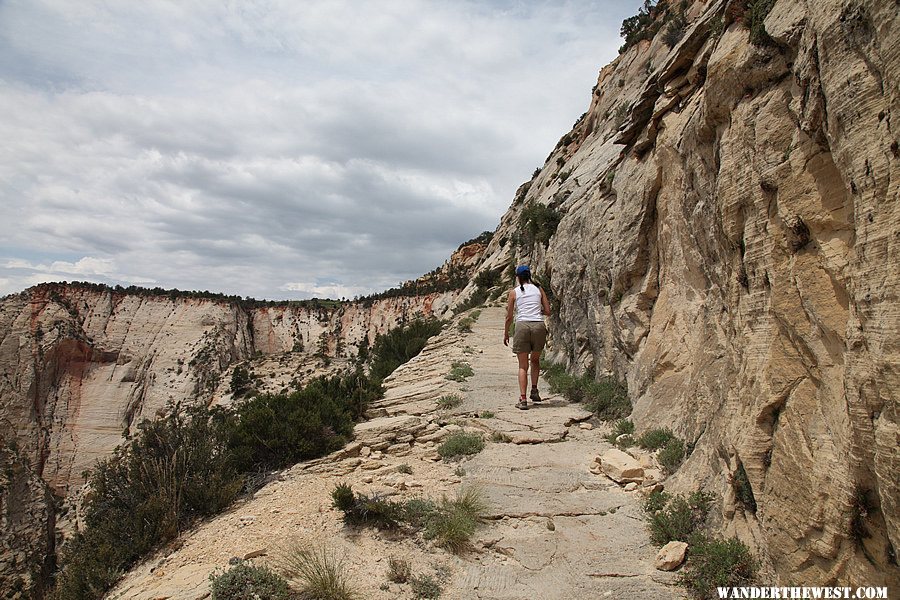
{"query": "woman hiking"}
pixel 530 304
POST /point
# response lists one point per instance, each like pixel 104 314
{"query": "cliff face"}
pixel 729 244
pixel 82 366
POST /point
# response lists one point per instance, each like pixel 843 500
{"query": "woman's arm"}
pixel 545 303
pixel 510 306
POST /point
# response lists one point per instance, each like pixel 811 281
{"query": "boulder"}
pixel 620 467
pixel 671 556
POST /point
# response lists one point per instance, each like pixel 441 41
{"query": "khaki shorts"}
pixel 530 336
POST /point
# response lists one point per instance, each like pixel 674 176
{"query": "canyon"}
pixel 719 230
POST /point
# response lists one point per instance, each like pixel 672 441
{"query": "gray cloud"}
pixel 275 148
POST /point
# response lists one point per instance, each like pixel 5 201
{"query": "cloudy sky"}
pixel 277 148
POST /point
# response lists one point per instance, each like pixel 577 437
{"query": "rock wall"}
pixel 728 244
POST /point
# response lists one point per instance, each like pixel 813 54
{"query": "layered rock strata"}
pixel 728 245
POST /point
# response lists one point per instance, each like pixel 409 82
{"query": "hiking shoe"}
pixel 535 395
pixel 522 404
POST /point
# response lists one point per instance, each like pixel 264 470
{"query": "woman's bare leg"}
pixel 523 373
pixel 535 368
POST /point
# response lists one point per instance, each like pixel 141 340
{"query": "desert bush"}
pixel 351 389
pixel 244 581
pixel 539 222
pixel 405 469
pixel 362 509
pixel 716 563
pixel 486 414
pixel 759 10
pixel 674 30
pixel 656 501
pixel 417 511
pixel 654 439
pixel 321 575
pixel 450 401
pixel 455 520
pixel 743 491
pixel 606 397
pixel 461 443
pixel 489 278
pixel 240 381
pixel 671 455
pixel 399 570
pixel 620 427
pixel 459 371
pixel 342 497
pixel 676 518
pixel 277 430
pixel 425 587
pixel 465 325
pixel 174 470
pixel 400 344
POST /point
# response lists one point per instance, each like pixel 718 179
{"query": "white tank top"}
pixel 528 303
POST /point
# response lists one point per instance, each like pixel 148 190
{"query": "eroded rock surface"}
pixel 728 245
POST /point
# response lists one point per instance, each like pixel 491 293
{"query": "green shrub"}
pixel 277 430
pixel 743 491
pixel 654 439
pixel 174 470
pixel 351 389
pixel 676 518
pixel 489 278
pixel 656 501
pixel 759 10
pixel 626 441
pixel 622 427
pixel 405 469
pixel 459 371
pixel 417 511
pixel 478 298
pixel 319 572
pixel 715 563
pixel 607 398
pixel 244 581
pixel 400 344
pixel 342 497
pixel 465 325
pixel 461 443
pixel 374 509
pixel 674 30
pixel 454 521
pixel 399 570
pixel 449 401
pixel 425 586
pixel 641 26
pixel 539 222
pixel 672 454
pixel 240 381
pixel 486 414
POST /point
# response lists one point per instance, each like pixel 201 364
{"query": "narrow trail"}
pixel 560 530
pixel 553 529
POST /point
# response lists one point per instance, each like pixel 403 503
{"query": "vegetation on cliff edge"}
pixel 194 462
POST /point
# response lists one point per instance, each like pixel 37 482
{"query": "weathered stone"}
pixel 620 467
pixel 256 553
pixel 671 556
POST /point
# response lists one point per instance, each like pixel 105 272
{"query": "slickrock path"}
pixel 554 529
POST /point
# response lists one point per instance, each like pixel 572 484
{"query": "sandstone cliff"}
pixel 81 365
pixel 728 244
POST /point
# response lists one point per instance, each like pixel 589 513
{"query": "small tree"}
pixel 240 381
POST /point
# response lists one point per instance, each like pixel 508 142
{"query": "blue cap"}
pixel 523 269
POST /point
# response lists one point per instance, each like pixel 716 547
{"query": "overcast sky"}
pixel 277 149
